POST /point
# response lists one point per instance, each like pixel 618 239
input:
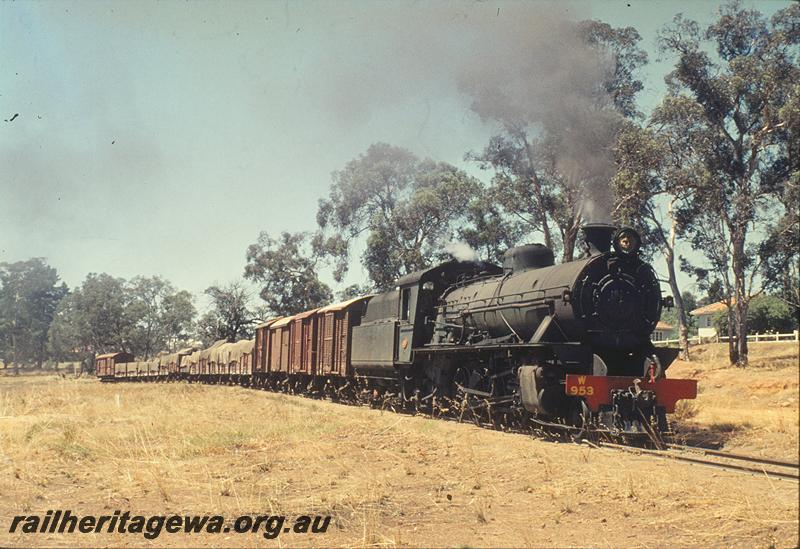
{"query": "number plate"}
pixel 597 389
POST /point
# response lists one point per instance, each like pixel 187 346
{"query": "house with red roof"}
pixel 705 318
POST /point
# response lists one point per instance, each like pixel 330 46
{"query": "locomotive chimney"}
pixel 598 237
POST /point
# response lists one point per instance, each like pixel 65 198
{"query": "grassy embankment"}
pixel 388 479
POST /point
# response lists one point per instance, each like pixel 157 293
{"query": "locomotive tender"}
pixel 530 340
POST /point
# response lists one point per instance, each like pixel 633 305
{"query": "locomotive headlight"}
pixel 627 241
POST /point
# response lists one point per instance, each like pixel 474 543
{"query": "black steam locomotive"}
pixel 568 341
pixel 528 341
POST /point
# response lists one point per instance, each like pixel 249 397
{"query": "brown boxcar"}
pixel 303 335
pixel 104 364
pixel 334 335
pixel 280 344
pixel 261 348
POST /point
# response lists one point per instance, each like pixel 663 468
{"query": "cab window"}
pixel 405 302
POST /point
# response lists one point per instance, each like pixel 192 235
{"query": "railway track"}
pixel 771 468
pixel 755 465
pixel 662 448
pixel 460 412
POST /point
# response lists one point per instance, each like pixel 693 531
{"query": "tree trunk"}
pixel 733 353
pixel 14 363
pixel 683 326
pixel 680 308
pixel 570 237
pixel 537 187
pixel 742 300
pixel 742 329
pixel 548 238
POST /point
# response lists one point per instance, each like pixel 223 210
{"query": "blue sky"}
pixel 152 133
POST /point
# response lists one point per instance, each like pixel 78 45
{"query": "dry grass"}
pixel 753 409
pixel 387 480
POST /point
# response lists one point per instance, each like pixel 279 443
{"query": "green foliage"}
pixel 229 318
pixel 287 272
pixel 108 314
pixel 93 319
pixel 770 314
pixel 690 301
pixel 66 339
pixel 725 113
pixel 526 189
pixel 780 251
pixel 177 319
pixel 766 314
pixel 354 290
pixel 406 207
pixel 162 316
pixel 29 296
pixel 651 182
pixel 622 46
pixel 487 230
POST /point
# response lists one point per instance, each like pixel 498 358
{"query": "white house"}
pixel 705 318
pixel 663 331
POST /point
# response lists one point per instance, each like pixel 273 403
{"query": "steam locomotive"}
pixel 530 341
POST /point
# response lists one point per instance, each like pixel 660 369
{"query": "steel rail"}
pixel 667 454
pixel 738 457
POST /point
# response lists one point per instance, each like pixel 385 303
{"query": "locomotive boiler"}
pixel 609 300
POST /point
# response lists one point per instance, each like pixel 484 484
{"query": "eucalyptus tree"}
pixel 403 208
pixel 286 270
pixel 230 316
pixel 29 295
pixel 725 106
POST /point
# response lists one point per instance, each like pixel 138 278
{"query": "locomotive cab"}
pixel 401 320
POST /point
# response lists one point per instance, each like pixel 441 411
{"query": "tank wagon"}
pixel 526 341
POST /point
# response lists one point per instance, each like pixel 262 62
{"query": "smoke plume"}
pixel 461 251
pixel 519 65
pixel 544 78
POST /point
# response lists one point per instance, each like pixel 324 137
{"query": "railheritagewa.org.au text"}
pixel 152 526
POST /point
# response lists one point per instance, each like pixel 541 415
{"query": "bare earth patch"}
pixel 386 479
